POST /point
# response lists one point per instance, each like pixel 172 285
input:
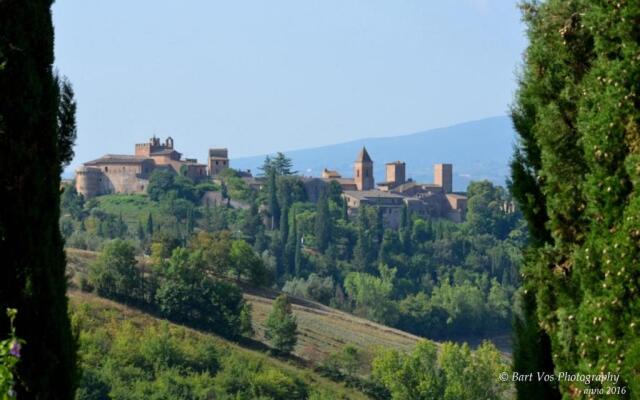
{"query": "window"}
pixel 106 169
pixel 358 173
pixel 217 162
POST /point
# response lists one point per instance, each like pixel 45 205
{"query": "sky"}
pixel 261 76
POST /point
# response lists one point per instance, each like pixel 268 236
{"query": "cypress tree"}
pixel 207 217
pixel 283 235
pixel 297 257
pixel 282 326
pixel 141 234
pixel 274 208
pixel 190 221
pixel 149 225
pixel 345 210
pixel 322 223
pixel 33 272
pixel 252 222
pixel 405 230
pixel 290 247
pixel 575 174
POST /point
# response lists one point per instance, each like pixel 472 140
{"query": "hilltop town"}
pixel 130 173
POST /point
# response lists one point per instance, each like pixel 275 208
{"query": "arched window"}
pixel 106 169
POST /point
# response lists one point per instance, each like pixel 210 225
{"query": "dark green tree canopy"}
pixel 575 175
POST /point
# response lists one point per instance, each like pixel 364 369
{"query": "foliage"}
pixel 322 224
pixel 141 358
pixel 575 177
pixel 115 274
pixel 281 326
pixel 165 184
pixel 186 294
pixel 372 294
pixel 36 148
pixel 280 165
pixel 314 287
pixel 245 262
pixel 469 263
pixel 67 130
pixel 452 373
pixel 343 364
pixel 10 349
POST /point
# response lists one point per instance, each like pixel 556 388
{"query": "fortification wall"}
pixel 124 179
pixel 88 181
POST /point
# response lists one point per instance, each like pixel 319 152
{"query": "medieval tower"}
pixel 363 171
pixel 443 176
pixel 218 160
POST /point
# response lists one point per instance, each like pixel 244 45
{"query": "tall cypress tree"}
pixel 36 146
pixel 150 225
pixel 575 175
pixel 290 247
pixel 322 223
pixel 274 207
pixel 283 236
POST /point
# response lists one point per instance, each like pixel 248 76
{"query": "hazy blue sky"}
pixel 261 76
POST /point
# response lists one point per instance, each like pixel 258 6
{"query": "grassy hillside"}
pixel 134 208
pixel 322 330
pixel 106 320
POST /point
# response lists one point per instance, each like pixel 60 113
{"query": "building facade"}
pixel 124 173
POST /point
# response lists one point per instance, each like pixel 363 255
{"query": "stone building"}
pixel 390 204
pixel 218 161
pixel 428 200
pixel 118 173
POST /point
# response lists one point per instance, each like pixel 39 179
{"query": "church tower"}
pixel 363 171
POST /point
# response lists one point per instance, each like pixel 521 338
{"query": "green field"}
pixel 134 208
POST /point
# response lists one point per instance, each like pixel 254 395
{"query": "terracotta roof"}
pixel 117 159
pixel 162 152
pixel 342 181
pixel 363 156
pixel 372 194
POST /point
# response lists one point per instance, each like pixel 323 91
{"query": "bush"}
pixel 316 288
pixel 115 274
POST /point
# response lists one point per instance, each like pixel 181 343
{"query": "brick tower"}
pixel 363 171
pixel 443 176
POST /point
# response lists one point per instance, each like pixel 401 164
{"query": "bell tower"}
pixel 363 171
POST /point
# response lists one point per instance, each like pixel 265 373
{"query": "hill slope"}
pixel 96 314
pixel 322 330
pixel 478 149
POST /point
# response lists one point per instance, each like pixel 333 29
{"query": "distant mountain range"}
pixel 477 149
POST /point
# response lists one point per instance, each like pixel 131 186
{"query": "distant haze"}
pixel 478 150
